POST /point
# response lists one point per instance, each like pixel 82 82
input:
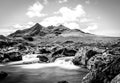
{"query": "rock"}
pixel 95 62
pixel 106 74
pixel 44 51
pixel 83 55
pixel 28 38
pixel 1 57
pixel 116 79
pixel 95 77
pixel 5 60
pixel 43 58
pixel 77 61
pixel 3 75
pixel 13 56
pixel 65 52
pixel 87 78
pixel 63 82
pixel 100 61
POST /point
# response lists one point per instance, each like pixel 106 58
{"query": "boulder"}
pixel 43 58
pixel 13 56
pixel 100 61
pixel 83 55
pixel 5 60
pixel 3 75
pixel 44 51
pixel 106 74
pixel 65 52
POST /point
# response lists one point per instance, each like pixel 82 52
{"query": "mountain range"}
pixel 39 30
pixel 40 34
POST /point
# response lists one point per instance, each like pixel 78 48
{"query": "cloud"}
pixel 72 25
pixel 62 1
pixel 17 26
pixel 55 20
pixel 72 14
pixel 35 10
pixel 6 31
pixel 65 15
pixel 83 20
pixel 91 27
pixel 73 18
pixel 20 27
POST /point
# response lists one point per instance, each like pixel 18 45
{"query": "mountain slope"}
pixel 35 30
pixel 3 38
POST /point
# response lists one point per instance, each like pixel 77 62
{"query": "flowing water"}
pixel 44 72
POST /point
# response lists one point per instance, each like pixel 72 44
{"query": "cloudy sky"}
pixel 101 17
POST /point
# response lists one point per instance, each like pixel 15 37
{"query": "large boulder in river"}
pixel 3 75
pixel 43 58
pixel 100 61
pixel 83 55
pixel 106 74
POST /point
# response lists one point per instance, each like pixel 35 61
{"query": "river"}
pixel 43 73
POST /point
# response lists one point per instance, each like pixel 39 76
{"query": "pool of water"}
pixel 42 73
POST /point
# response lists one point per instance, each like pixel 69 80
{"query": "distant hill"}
pixel 3 38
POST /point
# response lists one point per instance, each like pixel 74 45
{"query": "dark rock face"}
pixel 65 52
pixel 100 61
pixel 44 51
pixel 29 38
pixel 3 75
pixel 104 75
pixel 63 81
pixel 83 55
pixel 43 58
pixel 13 56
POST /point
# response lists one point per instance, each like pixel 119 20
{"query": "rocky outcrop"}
pixel 104 75
pixel 100 61
pixel 64 52
pixel 83 55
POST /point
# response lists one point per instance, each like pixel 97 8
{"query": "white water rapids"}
pixel 64 62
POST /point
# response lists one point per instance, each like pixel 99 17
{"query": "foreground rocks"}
pixel 104 73
pixel 84 54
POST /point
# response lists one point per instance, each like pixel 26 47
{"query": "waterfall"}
pixel 64 61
